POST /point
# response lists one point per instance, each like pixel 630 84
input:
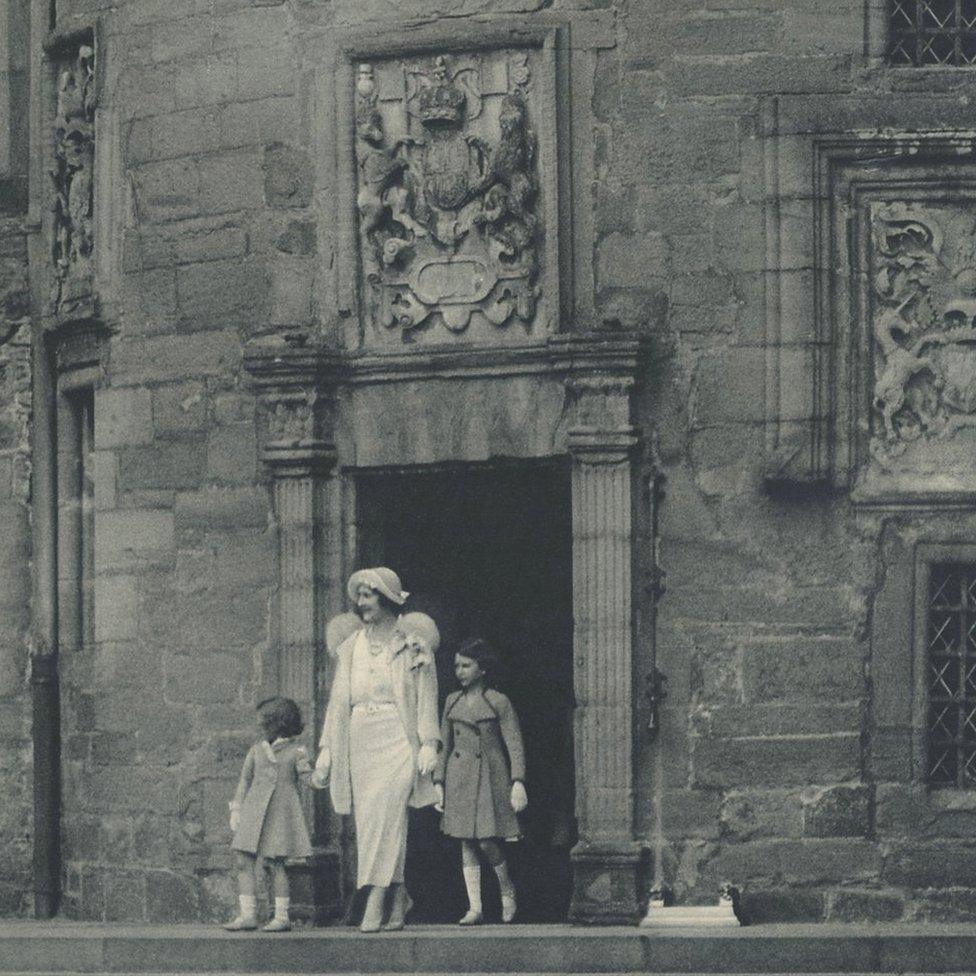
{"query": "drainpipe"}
pixel 44 609
pixel 44 657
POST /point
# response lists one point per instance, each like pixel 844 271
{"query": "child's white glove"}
pixel 520 799
pixel 426 760
pixel 235 817
pixel 320 775
pixel 439 802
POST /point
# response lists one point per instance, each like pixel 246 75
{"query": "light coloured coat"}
pixel 272 823
pixel 414 681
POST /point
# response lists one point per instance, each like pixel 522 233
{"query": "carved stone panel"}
pixel 871 300
pixel 72 173
pixel 451 227
pixel 920 330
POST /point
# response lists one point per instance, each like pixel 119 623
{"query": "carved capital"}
pixel 595 445
pixel 295 383
pixel 601 377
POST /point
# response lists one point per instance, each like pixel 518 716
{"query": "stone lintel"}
pixel 611 356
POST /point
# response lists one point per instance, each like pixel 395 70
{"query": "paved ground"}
pixel 63 947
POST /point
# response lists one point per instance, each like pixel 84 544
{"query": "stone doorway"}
pixel 487 550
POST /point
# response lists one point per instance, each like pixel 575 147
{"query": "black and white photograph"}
pixel 487 486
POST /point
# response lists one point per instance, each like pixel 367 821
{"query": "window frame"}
pixel 957 34
pixel 927 556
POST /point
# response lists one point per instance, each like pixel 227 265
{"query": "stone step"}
pixel 67 948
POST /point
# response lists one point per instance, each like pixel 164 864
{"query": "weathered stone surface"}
pixel 930 865
pixel 838 811
pixel 747 815
pixel 782 905
pixel 785 760
pixel 287 176
pixel 799 860
pixel 865 906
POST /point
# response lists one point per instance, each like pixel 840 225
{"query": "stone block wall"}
pixel 221 130
pixel 15 578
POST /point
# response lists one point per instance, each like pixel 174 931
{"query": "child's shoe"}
pixel 509 908
pixel 471 918
pixel 243 923
pixel 277 925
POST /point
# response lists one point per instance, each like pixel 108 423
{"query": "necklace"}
pixel 375 645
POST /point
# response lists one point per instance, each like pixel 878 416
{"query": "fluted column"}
pixel 602 442
pixel 295 383
pixel 299 521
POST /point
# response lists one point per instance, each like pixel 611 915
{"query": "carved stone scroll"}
pixel 448 192
pixel 72 173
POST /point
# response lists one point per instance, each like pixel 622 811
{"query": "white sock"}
pixel 249 905
pixel 281 908
pixel 505 885
pixel 472 881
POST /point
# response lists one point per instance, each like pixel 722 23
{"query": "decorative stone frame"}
pixel 818 372
pixel 434 40
pixel 584 388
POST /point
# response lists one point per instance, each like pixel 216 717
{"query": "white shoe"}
pixel 277 925
pixel 243 923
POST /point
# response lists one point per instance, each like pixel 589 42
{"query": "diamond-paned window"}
pixel 932 32
pixel 950 675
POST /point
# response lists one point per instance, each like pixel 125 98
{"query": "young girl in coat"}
pixel 480 790
pixel 266 813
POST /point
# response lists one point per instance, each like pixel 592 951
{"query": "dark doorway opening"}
pixel 487 551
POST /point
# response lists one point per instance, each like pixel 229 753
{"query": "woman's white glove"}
pixel 320 775
pixel 520 799
pixel 426 759
pixel 439 793
pixel 235 817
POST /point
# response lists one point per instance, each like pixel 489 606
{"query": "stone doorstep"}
pixel 73 947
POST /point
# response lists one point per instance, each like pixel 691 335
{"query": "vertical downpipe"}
pixel 44 653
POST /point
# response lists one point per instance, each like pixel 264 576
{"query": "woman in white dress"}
pixel 380 738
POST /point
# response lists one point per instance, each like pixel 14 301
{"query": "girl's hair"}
pixel 478 649
pixel 281 718
pixel 385 602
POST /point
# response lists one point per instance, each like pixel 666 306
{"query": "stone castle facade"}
pixel 707 265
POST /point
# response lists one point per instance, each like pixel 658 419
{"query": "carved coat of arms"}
pixel 924 324
pixel 72 175
pixel 448 219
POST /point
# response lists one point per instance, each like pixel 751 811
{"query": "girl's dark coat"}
pixel 478 728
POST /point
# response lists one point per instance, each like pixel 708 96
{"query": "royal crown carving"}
pixel 448 193
pixel 72 172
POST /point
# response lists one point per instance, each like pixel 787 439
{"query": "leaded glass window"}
pixel 951 675
pixel 932 32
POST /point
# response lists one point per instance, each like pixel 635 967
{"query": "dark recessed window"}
pixel 951 675
pixel 932 32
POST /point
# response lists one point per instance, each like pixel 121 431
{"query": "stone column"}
pixel 294 383
pixel 606 859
